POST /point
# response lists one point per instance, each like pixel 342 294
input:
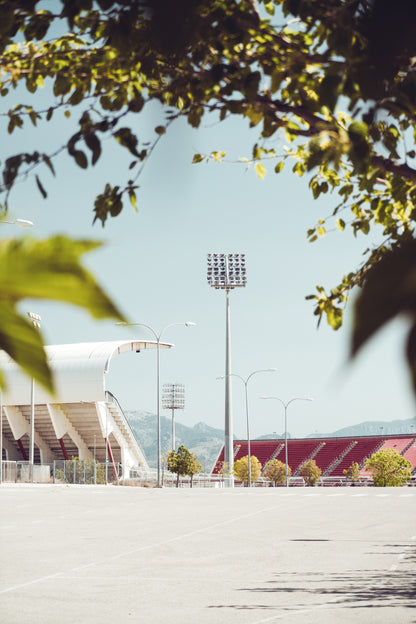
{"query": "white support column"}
pixel 20 427
pixel 62 425
pixel 17 422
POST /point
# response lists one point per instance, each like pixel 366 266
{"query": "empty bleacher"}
pixel 361 450
pixel 332 455
pixel 410 454
pixel 332 451
pixel 398 444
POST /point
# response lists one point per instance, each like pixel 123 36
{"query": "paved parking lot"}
pixel 85 554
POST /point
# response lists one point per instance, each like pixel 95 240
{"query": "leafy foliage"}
pixel 183 463
pixel 48 269
pixel 353 472
pixel 241 469
pixel 389 468
pixel 275 471
pixel 329 86
pixel 311 472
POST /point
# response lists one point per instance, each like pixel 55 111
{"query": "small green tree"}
pixel 194 467
pixel 311 472
pixel 181 462
pixel 241 469
pixel 389 468
pixel 275 471
pixel 353 472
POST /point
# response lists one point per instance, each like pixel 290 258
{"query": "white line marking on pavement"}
pixel 139 549
pixel 38 580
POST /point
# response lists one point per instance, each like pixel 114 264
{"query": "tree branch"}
pixel 401 170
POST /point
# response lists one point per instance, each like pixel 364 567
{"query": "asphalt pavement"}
pixel 97 554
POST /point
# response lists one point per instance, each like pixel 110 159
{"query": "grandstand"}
pixel 82 419
pixel 332 455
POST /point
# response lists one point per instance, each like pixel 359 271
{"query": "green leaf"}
pixel 132 196
pixel 48 162
pixel 40 187
pixel 80 159
pixel 94 145
pixel 279 167
pixel 59 273
pixel 334 317
pixel 23 343
pixel 126 138
pixel 260 170
pixel 389 290
pixel 59 276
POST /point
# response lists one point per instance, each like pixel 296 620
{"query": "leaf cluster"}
pixel 275 471
pixel 332 84
pixel 389 468
pixel 46 269
pixel 241 469
pixel 183 463
pixel 310 472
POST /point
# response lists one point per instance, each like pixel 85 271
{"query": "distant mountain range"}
pixel 206 442
pixel 203 440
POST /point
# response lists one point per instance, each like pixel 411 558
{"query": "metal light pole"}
pixel 285 405
pixel 245 382
pixel 95 465
pixel 158 339
pixel 1 436
pixel 226 272
pixel 20 223
pixel 36 319
pixel 173 398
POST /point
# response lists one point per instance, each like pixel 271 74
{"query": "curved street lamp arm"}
pixel 262 370
pixel 186 323
pixel 127 324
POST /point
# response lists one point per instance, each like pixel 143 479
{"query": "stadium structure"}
pixel 82 419
pixel 332 455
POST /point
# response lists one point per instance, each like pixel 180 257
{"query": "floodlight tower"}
pixel 173 398
pixel 226 272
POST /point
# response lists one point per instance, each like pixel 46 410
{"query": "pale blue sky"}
pixel 154 266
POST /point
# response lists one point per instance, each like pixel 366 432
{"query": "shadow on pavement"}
pixel 355 590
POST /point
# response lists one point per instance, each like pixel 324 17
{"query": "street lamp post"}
pixel 95 465
pixel 226 272
pixel 173 398
pixel 1 436
pixel 285 406
pixel 19 223
pixel 158 339
pixel 245 382
pixel 36 319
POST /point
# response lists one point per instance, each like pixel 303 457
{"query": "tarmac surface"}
pixel 96 554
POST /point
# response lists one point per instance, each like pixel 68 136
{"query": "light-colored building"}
pixel 83 419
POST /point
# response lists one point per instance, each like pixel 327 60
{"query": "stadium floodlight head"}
pixel 226 271
pixel 35 318
pixel 173 396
